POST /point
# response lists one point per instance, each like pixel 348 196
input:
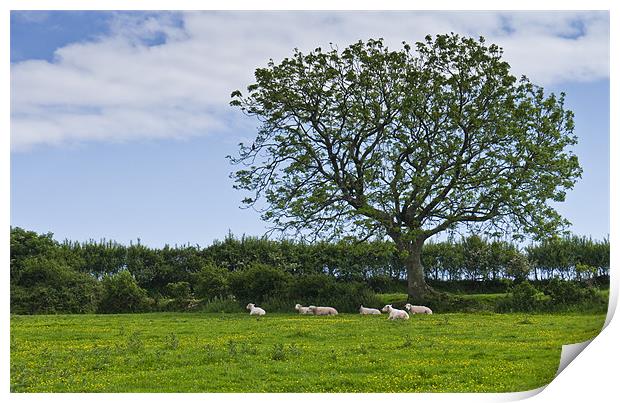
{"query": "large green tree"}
pixel 369 141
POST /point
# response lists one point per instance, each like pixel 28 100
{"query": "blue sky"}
pixel 121 125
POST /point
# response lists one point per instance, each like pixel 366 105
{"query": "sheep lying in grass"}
pixel 369 311
pixel 418 309
pixel 395 313
pixel 254 310
pixel 323 310
pixel 303 310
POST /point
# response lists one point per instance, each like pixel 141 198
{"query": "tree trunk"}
pixel 417 288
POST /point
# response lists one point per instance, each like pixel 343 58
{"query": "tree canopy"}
pixel 406 143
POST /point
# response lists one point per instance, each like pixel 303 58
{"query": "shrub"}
pixel 279 304
pixel 442 302
pixel 347 297
pixel 471 286
pixel 321 290
pixel 47 286
pixel 211 281
pixel 258 283
pixel 121 293
pixel 179 291
pixel 182 298
pixel 310 288
pixel 568 293
pixel 381 283
pixel 523 297
pixel 221 305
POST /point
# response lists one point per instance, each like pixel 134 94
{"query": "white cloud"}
pixel 122 87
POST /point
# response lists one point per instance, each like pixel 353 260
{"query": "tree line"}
pixel 68 276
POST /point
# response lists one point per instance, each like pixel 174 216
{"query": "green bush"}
pixel 258 283
pixel 277 291
pixel 443 302
pixel 306 289
pixel 283 304
pixel 122 294
pixel 46 286
pixel 364 296
pixel 211 282
pixel 179 290
pixel 523 297
pixel 382 283
pixel 347 297
pixel 566 294
pixel 471 286
pixel 221 305
pixel 181 298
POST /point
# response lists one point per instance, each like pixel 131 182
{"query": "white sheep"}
pixel 303 310
pixel 395 313
pixel 323 310
pixel 254 310
pixel 418 309
pixel 369 311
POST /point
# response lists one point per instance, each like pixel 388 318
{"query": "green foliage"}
pixel 348 296
pixel 96 258
pixel 443 302
pixel 571 257
pixel 499 285
pixel 370 142
pixel 566 293
pixel 382 283
pixel 517 266
pixel 259 282
pixel 321 289
pixel 279 304
pixel 47 286
pixel 523 297
pixel 310 288
pixel 361 137
pixel 180 291
pixel 121 294
pixel 48 277
pixel 211 282
pixel 182 298
pixel 221 305
pixel 26 244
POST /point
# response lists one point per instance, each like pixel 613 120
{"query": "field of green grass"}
pixel 197 352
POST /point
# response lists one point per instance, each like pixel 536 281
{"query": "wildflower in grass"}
pixel 353 355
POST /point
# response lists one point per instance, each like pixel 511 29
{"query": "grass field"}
pixel 195 352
